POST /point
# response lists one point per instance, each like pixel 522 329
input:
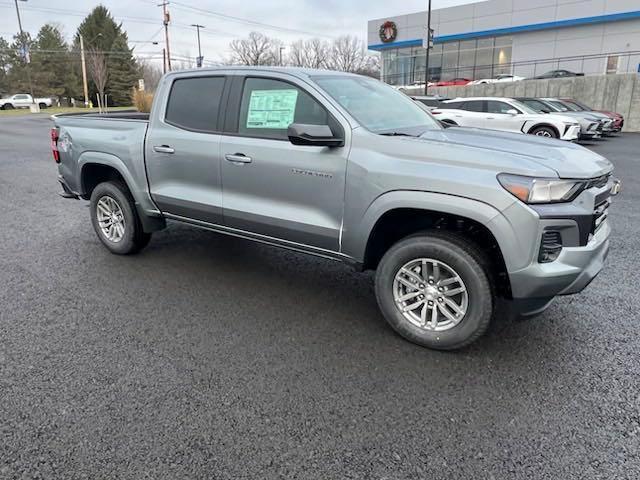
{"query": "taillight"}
pixel 433 112
pixel 54 144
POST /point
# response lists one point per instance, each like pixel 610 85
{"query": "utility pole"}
pixel 25 53
pixel 281 49
pixel 164 60
pixel 84 74
pixel 200 58
pixel 428 46
pixel 165 20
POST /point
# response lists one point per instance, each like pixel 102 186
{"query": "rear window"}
pixel 194 103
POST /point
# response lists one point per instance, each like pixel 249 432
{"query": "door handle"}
pixel 163 149
pixel 490 118
pixel 237 158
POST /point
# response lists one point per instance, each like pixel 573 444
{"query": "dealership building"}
pixel 520 37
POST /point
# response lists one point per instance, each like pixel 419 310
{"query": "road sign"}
pixel 427 39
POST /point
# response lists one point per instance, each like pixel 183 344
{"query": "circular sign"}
pixel 388 31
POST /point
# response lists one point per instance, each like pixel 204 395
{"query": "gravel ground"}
pixel 212 357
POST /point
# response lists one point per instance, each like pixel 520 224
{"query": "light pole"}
pixel 281 49
pixel 199 60
pixel 428 46
pixel 25 53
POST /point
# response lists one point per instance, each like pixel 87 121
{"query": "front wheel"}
pixel 544 132
pixel 115 219
pixel 434 290
pixel 42 106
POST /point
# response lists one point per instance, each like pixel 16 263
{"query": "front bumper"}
pixel 574 269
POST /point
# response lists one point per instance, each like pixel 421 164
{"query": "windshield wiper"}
pixel 397 134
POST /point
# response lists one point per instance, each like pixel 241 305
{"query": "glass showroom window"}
pixel 466 59
pixel 502 55
pixel 449 60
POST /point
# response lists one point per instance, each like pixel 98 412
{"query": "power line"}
pixel 203 11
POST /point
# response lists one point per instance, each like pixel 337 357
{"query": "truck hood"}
pixel 567 159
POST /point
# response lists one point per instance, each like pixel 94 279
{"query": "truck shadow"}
pixel 290 284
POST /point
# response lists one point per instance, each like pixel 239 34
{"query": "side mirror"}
pixel 313 135
pixel 512 111
pixel 544 110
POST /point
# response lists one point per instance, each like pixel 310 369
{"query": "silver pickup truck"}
pixel 347 168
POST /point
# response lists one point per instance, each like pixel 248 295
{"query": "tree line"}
pixel 345 53
pixel 55 65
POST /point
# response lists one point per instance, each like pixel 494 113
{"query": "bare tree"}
pixel 256 49
pixel 98 70
pixel 347 54
pixel 151 73
pixel 313 53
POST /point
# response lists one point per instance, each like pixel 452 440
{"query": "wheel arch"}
pixel 97 167
pixel 547 125
pixel 399 214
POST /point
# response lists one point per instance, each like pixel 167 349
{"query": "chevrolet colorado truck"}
pixel 452 220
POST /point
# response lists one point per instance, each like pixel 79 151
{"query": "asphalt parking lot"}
pixel 212 357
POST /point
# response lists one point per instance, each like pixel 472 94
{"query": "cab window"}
pixel 194 103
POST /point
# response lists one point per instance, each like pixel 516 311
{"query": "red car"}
pixel 453 82
pixel 618 119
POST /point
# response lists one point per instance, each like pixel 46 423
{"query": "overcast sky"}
pixel 142 19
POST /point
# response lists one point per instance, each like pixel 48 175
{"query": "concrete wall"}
pixel 618 93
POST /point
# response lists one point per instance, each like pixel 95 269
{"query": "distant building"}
pixel 521 37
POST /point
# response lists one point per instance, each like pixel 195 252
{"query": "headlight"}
pixel 541 190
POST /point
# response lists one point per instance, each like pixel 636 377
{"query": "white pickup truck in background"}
pixel 23 100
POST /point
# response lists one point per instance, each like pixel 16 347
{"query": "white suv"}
pixel 506 114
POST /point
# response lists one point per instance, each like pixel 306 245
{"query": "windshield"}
pixel 522 106
pixel 539 106
pixel 376 106
pixel 561 106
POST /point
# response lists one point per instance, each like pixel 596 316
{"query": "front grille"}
pixel 598 182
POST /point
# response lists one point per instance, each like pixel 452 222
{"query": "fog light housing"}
pixel 550 246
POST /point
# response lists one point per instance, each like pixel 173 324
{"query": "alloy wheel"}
pixel 110 218
pixel 430 294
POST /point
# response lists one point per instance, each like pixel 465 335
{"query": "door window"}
pixel 499 107
pixel 21 97
pixel 194 103
pixel 474 106
pixel 268 107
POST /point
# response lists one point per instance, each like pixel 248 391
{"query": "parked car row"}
pixel 502 78
pixel 564 119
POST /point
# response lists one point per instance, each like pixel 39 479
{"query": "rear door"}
pixel 183 149
pixel 272 187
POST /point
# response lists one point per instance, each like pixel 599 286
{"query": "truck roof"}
pixel 295 71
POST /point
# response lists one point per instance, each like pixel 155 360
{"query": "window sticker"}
pixel 273 109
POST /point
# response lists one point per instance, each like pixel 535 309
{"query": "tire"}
pixel 7 106
pixel 544 132
pixel 453 254
pixel 42 106
pixel 115 197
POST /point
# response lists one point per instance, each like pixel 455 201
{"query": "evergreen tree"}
pixel 17 77
pixel 50 65
pixel 5 65
pixel 100 32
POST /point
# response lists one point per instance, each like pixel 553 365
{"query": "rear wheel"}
pixel 115 219
pixel 544 132
pixel 42 106
pixel 434 290
pixel 7 106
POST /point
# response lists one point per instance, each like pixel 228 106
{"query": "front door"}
pixel 183 150
pixel 274 188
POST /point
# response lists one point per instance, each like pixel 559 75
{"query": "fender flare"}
pixel 355 245
pixel 149 214
pixel 543 124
